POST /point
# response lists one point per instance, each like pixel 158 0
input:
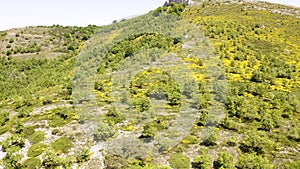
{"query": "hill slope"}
pixel 213 85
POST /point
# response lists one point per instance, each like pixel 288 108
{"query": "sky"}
pixel 21 13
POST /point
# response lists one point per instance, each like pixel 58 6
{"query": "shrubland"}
pixel 258 51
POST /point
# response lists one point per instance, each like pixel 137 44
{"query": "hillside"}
pixel 210 85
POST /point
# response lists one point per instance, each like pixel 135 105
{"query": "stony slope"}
pixel 213 85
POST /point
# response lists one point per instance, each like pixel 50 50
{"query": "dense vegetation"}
pixel 52 113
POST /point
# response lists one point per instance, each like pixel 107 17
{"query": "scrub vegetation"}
pixel 45 122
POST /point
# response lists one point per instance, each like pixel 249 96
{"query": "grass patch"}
pixel 62 145
pixel 36 137
pixel 32 163
pixel 29 130
pixel 3 129
pixel 190 140
pixel 179 161
pixel 36 150
pixel 61 116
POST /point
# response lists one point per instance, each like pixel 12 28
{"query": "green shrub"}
pixel 202 162
pixel 32 163
pixel 13 143
pixel 267 122
pixel 202 119
pixel 103 132
pixel 18 127
pixel 83 155
pixel 11 40
pixel 205 101
pixel 55 131
pixel 172 8
pixel 292 164
pixel 51 160
pixel 294 133
pixel 141 104
pixel 8 53
pixel 36 150
pixel 142 165
pixel 4 117
pixel 225 160
pixel 253 143
pixel 190 140
pixel 85 37
pixel 13 149
pixel 113 116
pixel 211 140
pixel 112 161
pixel 12 161
pixel 179 161
pixel 37 137
pixel 61 116
pixel 232 141
pixel 253 161
pixel 150 129
pixel 228 123
pixel 63 144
